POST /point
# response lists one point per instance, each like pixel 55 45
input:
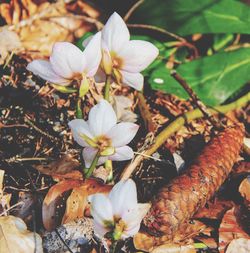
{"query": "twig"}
pixel 132 9
pixel 158 29
pixel 7 210
pixel 28 121
pixel 25 159
pixel 176 125
pixel 208 115
pixel 145 113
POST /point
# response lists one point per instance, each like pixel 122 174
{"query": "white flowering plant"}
pixel 111 53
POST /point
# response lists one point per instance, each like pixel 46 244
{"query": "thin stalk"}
pixel 79 114
pixel 113 246
pixel 208 115
pixel 176 125
pixel 93 165
pixel 107 87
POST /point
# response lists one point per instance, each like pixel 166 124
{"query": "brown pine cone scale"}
pixel 178 201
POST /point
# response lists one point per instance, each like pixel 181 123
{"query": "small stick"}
pixel 132 9
pixel 208 115
pixel 145 112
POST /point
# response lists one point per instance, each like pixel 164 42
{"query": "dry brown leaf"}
pixel 14 237
pixel 63 165
pixel 230 229
pixel 78 199
pixel 9 42
pixel 174 248
pixel 40 25
pixel 241 245
pixel 54 201
pixel 244 189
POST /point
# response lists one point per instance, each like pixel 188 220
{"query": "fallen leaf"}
pixel 9 42
pixel 174 248
pixel 230 229
pixel 63 165
pixel 241 245
pixel 14 237
pixel 244 189
pixel 52 209
pixel 78 199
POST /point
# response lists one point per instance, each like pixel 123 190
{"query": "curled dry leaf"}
pixel 241 245
pixel 53 211
pixel 63 165
pixel 174 248
pixel 230 229
pixel 244 190
pixel 14 237
pixel 78 199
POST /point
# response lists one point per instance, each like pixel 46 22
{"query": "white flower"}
pixel 67 62
pixel 118 212
pixel 122 57
pixel 102 134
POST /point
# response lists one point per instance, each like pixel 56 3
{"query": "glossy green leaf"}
pixel 185 17
pixel 214 78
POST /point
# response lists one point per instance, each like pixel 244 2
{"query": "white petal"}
pixel 67 60
pixel 43 69
pixel 134 80
pixel 138 55
pixel 78 128
pixel 93 55
pixel 87 40
pixel 101 118
pixel 99 230
pixel 123 197
pixel 115 33
pixel 122 154
pixel 130 232
pixel 89 154
pixel 123 133
pixel 101 209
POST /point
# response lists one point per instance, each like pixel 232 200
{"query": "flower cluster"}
pixel 119 59
pixel 109 49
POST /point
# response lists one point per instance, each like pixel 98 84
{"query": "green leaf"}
pixel 186 17
pixel 63 89
pixel 84 37
pixel 214 78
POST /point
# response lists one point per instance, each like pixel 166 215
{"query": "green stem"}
pixel 79 114
pixel 113 246
pixel 92 166
pixel 176 125
pixel 107 87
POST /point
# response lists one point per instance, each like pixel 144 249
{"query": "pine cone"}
pixel 178 201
